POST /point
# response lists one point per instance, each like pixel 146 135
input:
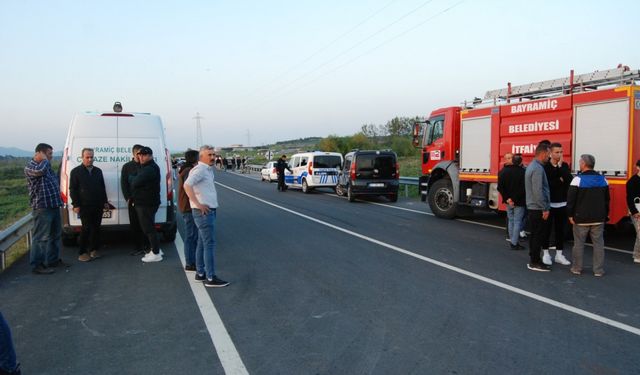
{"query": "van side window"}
pixel 295 162
pixel 303 161
pixel 347 163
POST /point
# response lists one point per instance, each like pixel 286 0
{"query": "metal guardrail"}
pixel 408 181
pixel 13 234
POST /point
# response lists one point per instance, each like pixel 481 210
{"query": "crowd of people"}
pixel 546 197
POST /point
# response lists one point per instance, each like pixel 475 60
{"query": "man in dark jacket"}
pixel 588 211
pixel 511 187
pixel 191 231
pixel 145 185
pixel 131 168
pixel 633 197
pixel 281 165
pixel 89 199
pixel 559 177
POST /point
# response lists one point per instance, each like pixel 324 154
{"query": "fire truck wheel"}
pixel 441 199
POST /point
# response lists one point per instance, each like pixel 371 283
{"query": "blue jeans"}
pixel 191 238
pixel 7 352
pixel 205 252
pixel 47 232
pixel 516 217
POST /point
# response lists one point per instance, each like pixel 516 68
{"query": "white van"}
pixel 111 135
pixel 314 169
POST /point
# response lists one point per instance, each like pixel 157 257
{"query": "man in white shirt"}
pixel 201 190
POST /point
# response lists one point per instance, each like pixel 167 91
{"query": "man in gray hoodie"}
pixel 538 205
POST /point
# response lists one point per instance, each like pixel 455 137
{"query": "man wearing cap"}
pixel 145 190
pixel 128 169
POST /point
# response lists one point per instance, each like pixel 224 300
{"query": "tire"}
pixel 261 178
pixel 393 197
pixel 269 180
pixel 305 187
pixel 441 199
pixel 350 194
pixel 339 190
pixel 70 240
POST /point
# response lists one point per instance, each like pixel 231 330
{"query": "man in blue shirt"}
pixel 44 198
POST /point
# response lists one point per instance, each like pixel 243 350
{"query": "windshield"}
pixel 327 161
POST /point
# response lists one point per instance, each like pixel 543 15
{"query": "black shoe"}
pixel 200 277
pixel 538 267
pixel 215 283
pixel 517 247
pixel 189 267
pixel 42 270
pixel 59 263
pixel 137 252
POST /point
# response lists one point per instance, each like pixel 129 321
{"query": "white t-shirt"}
pixel 201 179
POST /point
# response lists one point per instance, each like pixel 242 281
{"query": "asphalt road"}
pixel 323 286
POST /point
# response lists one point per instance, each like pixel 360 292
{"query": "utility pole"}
pixel 198 130
pixel 248 138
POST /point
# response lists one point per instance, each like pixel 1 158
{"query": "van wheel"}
pixel 305 187
pixel 339 190
pixel 441 199
pixel 169 234
pixel 350 194
pixel 393 197
pixel 69 240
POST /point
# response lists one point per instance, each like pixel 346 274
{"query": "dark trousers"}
pixel 558 221
pixel 539 234
pixel 139 240
pixel 147 220
pixel 91 218
pixel 281 185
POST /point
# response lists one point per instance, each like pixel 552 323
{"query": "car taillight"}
pixel 64 181
pixel 310 168
pixel 274 171
pixel 352 171
pixel 397 171
pixel 169 179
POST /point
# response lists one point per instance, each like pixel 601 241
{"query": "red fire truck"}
pixel 462 147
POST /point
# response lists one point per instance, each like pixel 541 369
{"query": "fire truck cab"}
pixel 463 147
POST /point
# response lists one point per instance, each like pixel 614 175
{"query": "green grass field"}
pixel 14 198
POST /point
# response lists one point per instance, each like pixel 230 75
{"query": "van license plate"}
pixel 106 214
pixel 376 185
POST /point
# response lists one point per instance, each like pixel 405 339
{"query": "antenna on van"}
pixel 117 107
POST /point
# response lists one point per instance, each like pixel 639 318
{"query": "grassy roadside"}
pixel 14 201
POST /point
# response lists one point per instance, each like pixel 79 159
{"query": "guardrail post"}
pixel 406 191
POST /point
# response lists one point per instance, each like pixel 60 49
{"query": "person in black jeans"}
pixel 89 199
pixel 559 177
pixel 131 168
pixel 146 197
pixel 281 165
pixel 538 204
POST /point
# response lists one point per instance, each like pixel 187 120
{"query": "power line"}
pixel 374 48
pixel 351 47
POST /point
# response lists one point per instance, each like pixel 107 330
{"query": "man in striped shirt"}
pixel 44 198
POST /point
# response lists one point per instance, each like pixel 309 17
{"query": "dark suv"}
pixel 369 173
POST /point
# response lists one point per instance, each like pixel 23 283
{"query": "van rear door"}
pixel 376 166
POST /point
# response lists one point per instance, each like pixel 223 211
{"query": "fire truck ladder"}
pixel 589 81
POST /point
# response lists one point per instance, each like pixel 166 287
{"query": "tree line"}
pixel 395 135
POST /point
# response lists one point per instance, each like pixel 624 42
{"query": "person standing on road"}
pixel 145 185
pixel 559 177
pixel 633 197
pixel 191 231
pixel 538 205
pixel 281 165
pixel 131 168
pixel 201 190
pixel 511 187
pixel 89 199
pixel 45 201
pixel 588 211
pixel 8 364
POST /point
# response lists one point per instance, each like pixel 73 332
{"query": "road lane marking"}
pixel 227 353
pixel 466 221
pixel 499 284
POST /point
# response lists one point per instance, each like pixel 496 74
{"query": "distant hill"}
pixel 19 153
pixel 301 143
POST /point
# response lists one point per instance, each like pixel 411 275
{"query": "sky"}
pixel 259 72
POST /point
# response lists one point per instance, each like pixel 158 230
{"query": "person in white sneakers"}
pixel 559 177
